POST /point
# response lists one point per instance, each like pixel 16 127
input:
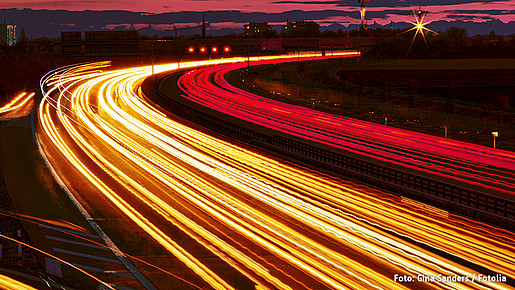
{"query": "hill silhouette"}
pixel 50 23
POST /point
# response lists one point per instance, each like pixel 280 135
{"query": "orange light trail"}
pixel 56 258
pixel 279 225
pixel 17 102
pixel 9 283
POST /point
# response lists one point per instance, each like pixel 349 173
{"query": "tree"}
pixel 492 35
pixel 503 101
pixel 501 44
pixel 22 41
pixel 456 37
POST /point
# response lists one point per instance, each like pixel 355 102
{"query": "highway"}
pixel 480 166
pixel 232 218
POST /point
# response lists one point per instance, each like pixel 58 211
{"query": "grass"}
pixel 318 87
pixel 32 188
pixel 432 64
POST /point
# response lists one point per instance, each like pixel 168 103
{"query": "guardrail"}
pixel 455 198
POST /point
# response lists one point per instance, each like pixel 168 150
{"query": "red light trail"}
pixel 274 224
pixel 481 166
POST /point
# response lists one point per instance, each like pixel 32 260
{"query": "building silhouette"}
pixel 301 29
pixel 123 42
pixel 7 34
pixel 257 29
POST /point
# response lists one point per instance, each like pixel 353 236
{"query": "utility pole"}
pixel 248 57
pixel 298 51
pixel 203 26
pixel 152 56
pixel 362 12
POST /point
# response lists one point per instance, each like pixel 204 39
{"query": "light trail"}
pixel 10 283
pixel 76 228
pixel 481 166
pixel 57 259
pixel 17 102
pixel 278 225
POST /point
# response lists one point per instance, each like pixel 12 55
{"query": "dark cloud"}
pixel 62 3
pixel 50 22
pixel 490 12
pixel 461 16
pixel 307 2
pixel 386 3
pixel 469 17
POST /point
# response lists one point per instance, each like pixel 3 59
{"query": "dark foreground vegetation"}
pixel 468 98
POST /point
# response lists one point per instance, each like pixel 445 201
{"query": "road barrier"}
pixel 456 198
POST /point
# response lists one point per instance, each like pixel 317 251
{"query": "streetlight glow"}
pixel 419 26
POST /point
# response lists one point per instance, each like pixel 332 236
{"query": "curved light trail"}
pixel 481 166
pixel 9 283
pixel 17 107
pixel 21 285
pixel 276 224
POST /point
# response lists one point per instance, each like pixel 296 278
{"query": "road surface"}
pixel 487 169
pixel 226 217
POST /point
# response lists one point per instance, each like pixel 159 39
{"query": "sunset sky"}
pixel 151 17
pixel 478 11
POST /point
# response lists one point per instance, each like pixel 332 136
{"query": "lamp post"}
pixel 248 57
pixel 495 135
pixel 152 56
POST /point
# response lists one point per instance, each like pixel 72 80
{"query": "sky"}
pixel 478 11
pixel 46 17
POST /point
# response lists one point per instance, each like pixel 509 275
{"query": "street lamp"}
pixel 495 135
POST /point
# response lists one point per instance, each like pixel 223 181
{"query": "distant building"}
pixel 98 43
pixel 71 43
pixel 71 36
pixel 111 35
pixel 111 42
pixel 258 29
pixel 301 29
pixel 7 34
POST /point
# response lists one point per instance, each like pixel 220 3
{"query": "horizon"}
pixel 377 10
pixel 40 20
